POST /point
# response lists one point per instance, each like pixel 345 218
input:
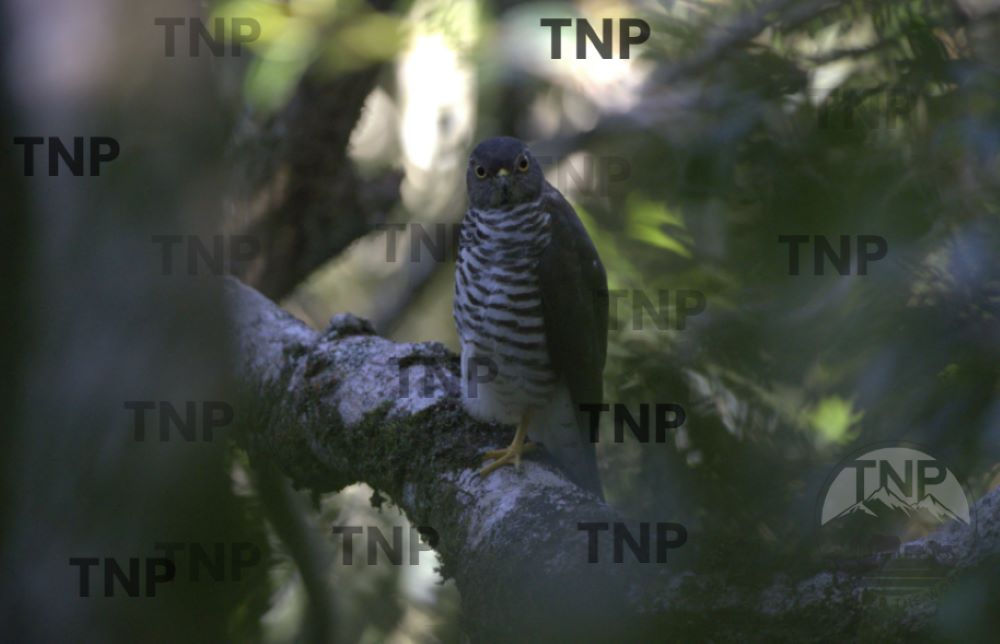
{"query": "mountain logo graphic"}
pixel 883 501
pixel 899 489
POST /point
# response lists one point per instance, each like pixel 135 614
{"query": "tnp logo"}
pixel 900 491
pixel 877 501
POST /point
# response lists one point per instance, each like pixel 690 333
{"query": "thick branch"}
pixel 353 409
pixel 294 177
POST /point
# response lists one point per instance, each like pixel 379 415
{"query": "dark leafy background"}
pixel 736 123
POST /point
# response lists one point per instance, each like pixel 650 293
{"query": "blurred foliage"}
pixel 799 118
pixel 333 36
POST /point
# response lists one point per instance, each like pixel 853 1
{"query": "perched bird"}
pixel 531 307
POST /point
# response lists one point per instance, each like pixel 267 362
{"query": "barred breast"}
pixel 498 312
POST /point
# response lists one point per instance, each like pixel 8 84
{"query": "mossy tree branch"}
pixel 345 405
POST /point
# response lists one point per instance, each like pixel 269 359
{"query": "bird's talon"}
pixel 510 455
pixel 500 453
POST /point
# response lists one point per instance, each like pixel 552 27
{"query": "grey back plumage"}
pixel 574 289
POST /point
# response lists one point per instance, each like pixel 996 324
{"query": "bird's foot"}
pixel 512 454
pixel 500 453
pixel 507 456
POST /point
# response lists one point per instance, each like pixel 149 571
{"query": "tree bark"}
pixel 295 176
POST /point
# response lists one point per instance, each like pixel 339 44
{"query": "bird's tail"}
pixel 566 435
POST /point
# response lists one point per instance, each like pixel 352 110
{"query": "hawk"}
pixel 531 307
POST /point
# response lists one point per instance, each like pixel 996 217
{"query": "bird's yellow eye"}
pixel 522 163
pixel 480 171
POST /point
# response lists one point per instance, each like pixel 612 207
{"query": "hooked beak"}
pixel 504 184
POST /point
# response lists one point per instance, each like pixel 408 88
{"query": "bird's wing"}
pixel 574 290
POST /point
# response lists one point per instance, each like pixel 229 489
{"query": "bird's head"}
pixel 502 173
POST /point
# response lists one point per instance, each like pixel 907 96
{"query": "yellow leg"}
pixel 512 454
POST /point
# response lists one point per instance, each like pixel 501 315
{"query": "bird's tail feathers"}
pixel 566 435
